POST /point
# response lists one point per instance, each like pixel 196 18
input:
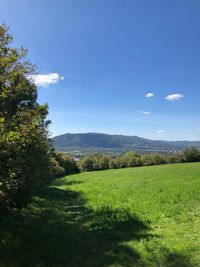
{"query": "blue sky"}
pixel 98 59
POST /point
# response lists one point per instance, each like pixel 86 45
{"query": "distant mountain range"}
pixel 118 143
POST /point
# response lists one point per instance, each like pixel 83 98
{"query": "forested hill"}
pixel 99 141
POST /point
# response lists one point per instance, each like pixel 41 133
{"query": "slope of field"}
pixel 146 216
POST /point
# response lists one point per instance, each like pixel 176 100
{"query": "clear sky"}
pixel 114 66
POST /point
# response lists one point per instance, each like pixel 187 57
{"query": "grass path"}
pixel 147 216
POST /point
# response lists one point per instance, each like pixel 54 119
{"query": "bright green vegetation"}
pixel 146 216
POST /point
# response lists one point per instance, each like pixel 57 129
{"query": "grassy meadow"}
pixel 145 216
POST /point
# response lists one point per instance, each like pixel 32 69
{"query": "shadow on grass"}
pixel 176 260
pixel 66 182
pixel 58 230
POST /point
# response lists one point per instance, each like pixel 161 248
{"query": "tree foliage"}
pixel 190 155
pixel 24 144
pixel 134 159
pixel 66 164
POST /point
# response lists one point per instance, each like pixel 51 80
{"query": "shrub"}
pixel 190 155
pixel 173 158
pixel 56 169
pixel 67 163
pixel 117 163
pixel 132 159
pixel 101 162
pixel 86 163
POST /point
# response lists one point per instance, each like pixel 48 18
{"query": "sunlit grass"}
pixel 167 198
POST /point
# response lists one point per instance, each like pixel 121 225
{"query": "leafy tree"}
pixel 152 159
pixel 87 163
pixel 157 158
pixel 190 155
pixel 173 158
pixel 24 144
pixel 67 163
pixel 101 162
pixel 117 162
pixel 132 159
pixel 57 170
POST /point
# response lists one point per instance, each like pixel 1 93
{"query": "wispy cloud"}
pixel 46 79
pixel 198 130
pixel 160 131
pixel 148 95
pixel 174 97
pixel 144 112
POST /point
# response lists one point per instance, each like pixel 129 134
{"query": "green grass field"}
pixel 146 216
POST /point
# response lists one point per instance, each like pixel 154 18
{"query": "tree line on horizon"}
pixel 67 165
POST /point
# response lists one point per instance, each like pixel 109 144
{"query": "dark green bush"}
pixel 67 163
pixel 56 169
pixel 86 163
pixel 190 155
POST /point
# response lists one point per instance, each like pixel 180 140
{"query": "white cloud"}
pixel 46 79
pixel 144 112
pixel 174 97
pixel 198 130
pixel 160 131
pixel 148 95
